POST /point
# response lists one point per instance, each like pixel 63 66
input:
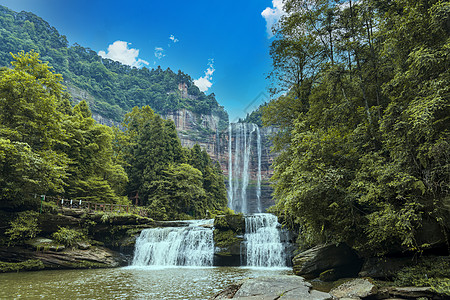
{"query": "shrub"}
pixel 432 271
pixel 24 226
pixel 68 236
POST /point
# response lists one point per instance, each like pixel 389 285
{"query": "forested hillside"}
pixel 115 88
pixel 48 147
pixel 364 126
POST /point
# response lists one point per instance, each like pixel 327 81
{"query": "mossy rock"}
pixel 227 238
pixel 44 244
pixel 28 265
pixel 329 275
pixel 235 223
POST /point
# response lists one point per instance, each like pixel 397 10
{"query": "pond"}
pixel 127 283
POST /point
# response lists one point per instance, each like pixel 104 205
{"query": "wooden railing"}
pixel 93 206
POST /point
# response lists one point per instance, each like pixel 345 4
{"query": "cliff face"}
pixel 199 129
pixel 248 159
pixel 246 165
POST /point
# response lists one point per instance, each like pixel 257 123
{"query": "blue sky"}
pixel 223 45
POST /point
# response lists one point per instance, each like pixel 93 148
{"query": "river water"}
pixel 127 283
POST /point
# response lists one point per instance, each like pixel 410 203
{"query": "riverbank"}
pixel 64 238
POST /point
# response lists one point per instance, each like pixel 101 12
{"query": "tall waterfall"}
pixel 239 166
pixel 175 246
pixel 265 242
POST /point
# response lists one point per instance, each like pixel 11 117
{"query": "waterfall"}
pixel 175 246
pixel 230 168
pixel 258 183
pixel 240 165
pixel 265 242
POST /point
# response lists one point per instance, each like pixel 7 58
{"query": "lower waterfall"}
pixel 265 243
pixel 175 246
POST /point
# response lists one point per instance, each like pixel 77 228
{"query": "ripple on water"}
pixel 127 283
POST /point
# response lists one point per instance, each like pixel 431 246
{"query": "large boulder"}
pixel 69 258
pixel 354 289
pixel 235 223
pixel 341 259
pixel 40 244
pixel 384 267
pixel 228 235
pixel 49 223
pixel 285 287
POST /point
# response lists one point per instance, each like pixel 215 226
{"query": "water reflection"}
pixel 126 283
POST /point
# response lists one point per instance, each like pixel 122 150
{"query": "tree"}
pixel 30 129
pixel 94 175
pixel 366 160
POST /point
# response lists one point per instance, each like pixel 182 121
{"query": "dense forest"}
pixel 49 147
pixel 115 88
pixel 364 122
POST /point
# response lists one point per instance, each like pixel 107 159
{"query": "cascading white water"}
pixel 175 246
pixel 230 168
pixel 264 241
pixel 239 166
pixel 258 183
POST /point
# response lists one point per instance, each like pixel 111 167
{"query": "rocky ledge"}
pixel 61 258
pixel 285 287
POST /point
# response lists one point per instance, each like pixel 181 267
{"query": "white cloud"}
pixel 205 82
pixel 159 52
pixel 120 52
pixel 272 15
pixel 174 40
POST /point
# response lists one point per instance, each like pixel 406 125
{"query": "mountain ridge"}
pixel 110 87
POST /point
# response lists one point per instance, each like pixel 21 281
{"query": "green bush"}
pixel 68 236
pixel 28 265
pixel 432 271
pixel 24 226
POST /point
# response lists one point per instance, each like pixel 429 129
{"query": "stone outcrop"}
pixel 354 289
pixel 228 235
pixel 340 259
pixel 286 287
pixel 384 267
pixel 107 236
pixel 68 258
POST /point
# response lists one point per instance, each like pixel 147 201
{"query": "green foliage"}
pixel 364 125
pixel 24 226
pixel 68 236
pixel 30 130
pixel 95 175
pixel 28 265
pixel 173 182
pixel 255 116
pixel 46 147
pixel 115 88
pixel 226 238
pixel 432 271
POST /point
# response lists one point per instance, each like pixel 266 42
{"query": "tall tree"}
pixel 30 130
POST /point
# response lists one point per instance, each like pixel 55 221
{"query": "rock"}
pixel 83 245
pixel 49 223
pixel 228 235
pixel 94 257
pixel 235 223
pixel 329 275
pixel 43 244
pixel 278 287
pixel 430 233
pixel 228 292
pixel 314 261
pixel 412 292
pixel 384 267
pixel 354 289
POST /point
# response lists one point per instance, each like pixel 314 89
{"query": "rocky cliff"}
pixel 243 151
pixel 249 153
